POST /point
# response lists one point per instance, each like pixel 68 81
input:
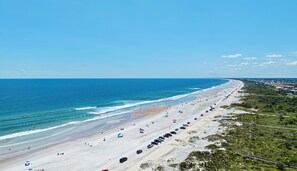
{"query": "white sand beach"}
pixel 103 150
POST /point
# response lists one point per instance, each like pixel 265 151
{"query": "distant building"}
pixel 294 92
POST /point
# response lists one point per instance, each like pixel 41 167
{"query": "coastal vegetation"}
pixel 152 166
pixel 263 136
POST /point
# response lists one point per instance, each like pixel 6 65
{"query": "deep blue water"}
pixel 29 104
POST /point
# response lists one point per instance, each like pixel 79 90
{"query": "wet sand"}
pixel 153 110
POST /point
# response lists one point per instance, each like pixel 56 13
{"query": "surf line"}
pixel 36 139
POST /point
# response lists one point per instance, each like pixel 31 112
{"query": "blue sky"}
pixel 104 39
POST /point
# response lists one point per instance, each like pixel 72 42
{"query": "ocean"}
pixel 32 106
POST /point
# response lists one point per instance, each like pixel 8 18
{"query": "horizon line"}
pixel 155 78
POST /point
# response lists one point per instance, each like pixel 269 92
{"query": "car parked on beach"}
pixel 167 135
pixel 161 137
pixel 182 127
pixel 123 159
pixel 27 163
pixel 172 132
pixel 138 151
pixel 154 143
pixel 150 146
pixel 157 141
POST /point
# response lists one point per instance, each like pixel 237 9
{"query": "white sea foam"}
pixel 37 139
pixel 105 110
pixel 19 134
pixel 24 133
pixel 194 88
pixel 86 108
pixel 174 97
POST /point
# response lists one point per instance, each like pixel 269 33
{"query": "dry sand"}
pixel 93 153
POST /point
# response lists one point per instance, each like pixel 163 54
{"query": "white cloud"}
pixel 274 56
pixel 241 64
pixel 250 58
pixel 232 56
pixel 232 65
pixel 244 63
pixel 292 63
pixel 266 63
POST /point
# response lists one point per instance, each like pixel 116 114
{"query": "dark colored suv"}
pixel 123 159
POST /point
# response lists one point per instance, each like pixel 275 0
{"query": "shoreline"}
pixel 64 128
pixel 36 131
pixel 99 146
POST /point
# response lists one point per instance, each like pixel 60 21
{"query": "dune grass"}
pixel 265 140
